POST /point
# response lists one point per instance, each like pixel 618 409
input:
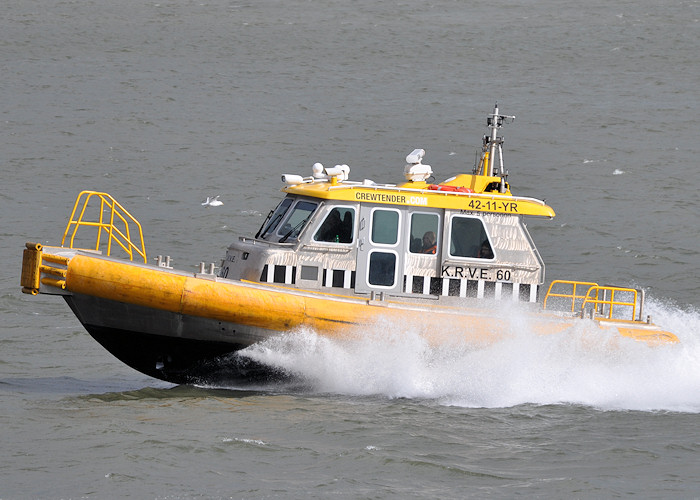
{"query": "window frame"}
pixel 398 228
pixel 485 230
pixel 352 231
pixel 438 232
pixel 396 267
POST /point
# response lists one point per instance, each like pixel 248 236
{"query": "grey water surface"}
pixel 164 103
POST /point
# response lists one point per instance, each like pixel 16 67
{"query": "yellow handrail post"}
pixel 101 225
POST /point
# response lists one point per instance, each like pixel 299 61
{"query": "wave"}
pixel 581 366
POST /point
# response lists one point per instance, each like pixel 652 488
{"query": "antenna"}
pixel 493 142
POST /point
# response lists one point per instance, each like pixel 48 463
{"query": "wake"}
pixel 581 366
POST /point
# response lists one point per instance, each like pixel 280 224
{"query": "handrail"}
pixel 573 296
pixel 601 298
pixel 608 293
pixel 110 207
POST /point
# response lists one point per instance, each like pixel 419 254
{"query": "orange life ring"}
pixel 443 187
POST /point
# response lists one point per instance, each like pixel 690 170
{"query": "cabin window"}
pixel 468 238
pixel 385 226
pixel 424 233
pixel 382 268
pixel 338 226
pixel 297 220
pixel 276 216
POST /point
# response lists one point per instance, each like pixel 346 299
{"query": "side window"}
pixel 468 238
pixel 338 226
pixel 297 220
pixel 385 226
pixel 424 231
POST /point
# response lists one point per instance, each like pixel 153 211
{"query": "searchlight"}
pixel 415 171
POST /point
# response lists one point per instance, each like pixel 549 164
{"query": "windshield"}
pixel 296 220
pixel 275 217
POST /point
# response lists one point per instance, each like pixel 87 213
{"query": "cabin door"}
pixel 380 250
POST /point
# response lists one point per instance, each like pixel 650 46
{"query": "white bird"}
pixel 212 202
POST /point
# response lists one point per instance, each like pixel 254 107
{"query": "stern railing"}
pixel 573 296
pixel 599 301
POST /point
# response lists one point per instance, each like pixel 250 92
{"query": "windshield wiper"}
pixel 263 224
pixel 272 225
pixel 295 228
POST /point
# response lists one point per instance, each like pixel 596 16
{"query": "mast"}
pixel 493 143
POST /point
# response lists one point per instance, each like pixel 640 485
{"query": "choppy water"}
pixel 164 103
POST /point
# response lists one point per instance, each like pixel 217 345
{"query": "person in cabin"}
pixel 429 242
pixel 485 252
pixel 345 235
pixel 331 227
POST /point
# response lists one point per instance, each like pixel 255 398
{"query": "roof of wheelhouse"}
pixel 463 192
pixel 485 190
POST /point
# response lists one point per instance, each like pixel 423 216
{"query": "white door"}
pixel 380 250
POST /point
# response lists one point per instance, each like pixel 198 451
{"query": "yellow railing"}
pixel 112 219
pixel 608 300
pixel 573 296
pixel 601 299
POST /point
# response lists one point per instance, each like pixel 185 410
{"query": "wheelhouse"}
pixel 464 237
pixel 400 250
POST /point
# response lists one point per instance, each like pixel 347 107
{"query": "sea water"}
pixel 162 104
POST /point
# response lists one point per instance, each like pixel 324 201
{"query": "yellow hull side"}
pixel 281 309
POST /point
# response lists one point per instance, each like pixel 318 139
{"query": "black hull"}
pixel 176 360
pixel 195 358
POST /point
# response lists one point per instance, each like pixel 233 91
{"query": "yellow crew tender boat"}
pixel 336 256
